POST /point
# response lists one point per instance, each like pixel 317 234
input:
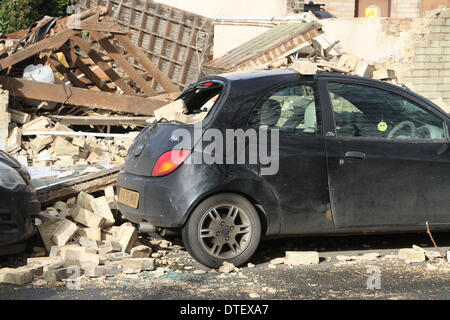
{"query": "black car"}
pixel 354 155
pixel 18 202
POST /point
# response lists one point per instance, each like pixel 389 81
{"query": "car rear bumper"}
pixel 16 208
pixel 161 200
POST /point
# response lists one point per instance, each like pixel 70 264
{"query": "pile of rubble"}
pixel 302 46
pixel 42 143
pixel 82 234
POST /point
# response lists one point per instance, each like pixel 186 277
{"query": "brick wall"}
pixel 427 59
pixel 340 8
pixel 405 8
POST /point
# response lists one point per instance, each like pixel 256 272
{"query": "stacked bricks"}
pixel 339 8
pixel 430 71
pixel 405 8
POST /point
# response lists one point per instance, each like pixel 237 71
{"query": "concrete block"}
pixel 91 233
pixel 46 231
pixel 127 235
pixel 14 142
pixel 83 260
pixel 411 255
pixel 64 232
pixel 38 124
pixel 87 243
pixel 117 256
pixel 51 262
pixel 110 270
pixel 79 141
pixel 348 61
pixel 305 67
pixel 143 264
pixel 58 274
pixel 364 69
pixel 101 208
pixel 227 267
pixel 62 147
pixel 384 74
pixel 141 251
pixel 15 276
pixel 84 200
pixel 109 194
pixel 36 269
pixel 301 257
pixel 40 142
pixel 86 217
pixel 171 110
pixel 109 247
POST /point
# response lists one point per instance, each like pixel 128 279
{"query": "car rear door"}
pixel 301 182
pixel 387 155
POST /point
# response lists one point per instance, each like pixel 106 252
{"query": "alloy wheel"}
pixel 225 231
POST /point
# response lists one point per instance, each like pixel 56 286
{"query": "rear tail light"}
pixel 169 162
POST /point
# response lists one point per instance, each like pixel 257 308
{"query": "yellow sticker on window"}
pixel 382 126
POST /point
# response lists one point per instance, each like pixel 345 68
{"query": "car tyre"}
pixel 228 221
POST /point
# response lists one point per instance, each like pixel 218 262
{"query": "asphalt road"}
pixel 330 279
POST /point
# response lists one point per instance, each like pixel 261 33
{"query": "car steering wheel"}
pixel 400 126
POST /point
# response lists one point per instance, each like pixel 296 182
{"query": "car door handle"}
pixel 355 155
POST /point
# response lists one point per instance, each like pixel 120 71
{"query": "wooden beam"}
pixel 123 63
pixel 107 69
pixel 68 187
pixel 84 68
pixel 81 97
pixel 100 120
pixel 48 43
pixel 145 62
pixel 100 26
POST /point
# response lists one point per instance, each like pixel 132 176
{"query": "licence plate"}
pixel 129 198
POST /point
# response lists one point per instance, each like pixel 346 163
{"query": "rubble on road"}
pixel 227 267
pixel 84 235
pixel 301 257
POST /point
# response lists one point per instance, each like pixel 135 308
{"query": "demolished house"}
pixel 77 90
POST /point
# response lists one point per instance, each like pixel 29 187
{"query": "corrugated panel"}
pixel 279 39
pixel 176 41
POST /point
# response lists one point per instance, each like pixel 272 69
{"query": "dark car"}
pixel 18 202
pixel 354 155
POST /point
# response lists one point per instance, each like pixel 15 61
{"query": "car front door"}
pixel 301 183
pixel 388 157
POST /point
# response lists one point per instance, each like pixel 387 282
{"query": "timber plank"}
pixel 81 97
pixel 107 69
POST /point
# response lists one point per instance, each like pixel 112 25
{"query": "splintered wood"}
pixel 116 76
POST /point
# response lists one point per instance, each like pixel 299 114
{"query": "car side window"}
pixel 364 111
pixel 291 107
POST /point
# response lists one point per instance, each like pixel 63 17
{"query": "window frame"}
pixel 270 92
pixel 331 127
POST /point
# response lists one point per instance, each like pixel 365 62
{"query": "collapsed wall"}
pixel 418 50
pixel 429 68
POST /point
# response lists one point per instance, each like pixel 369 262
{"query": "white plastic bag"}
pixel 39 73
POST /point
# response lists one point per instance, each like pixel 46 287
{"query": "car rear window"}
pixel 202 97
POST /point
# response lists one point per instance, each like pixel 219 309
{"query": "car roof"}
pixel 258 74
pixel 284 75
